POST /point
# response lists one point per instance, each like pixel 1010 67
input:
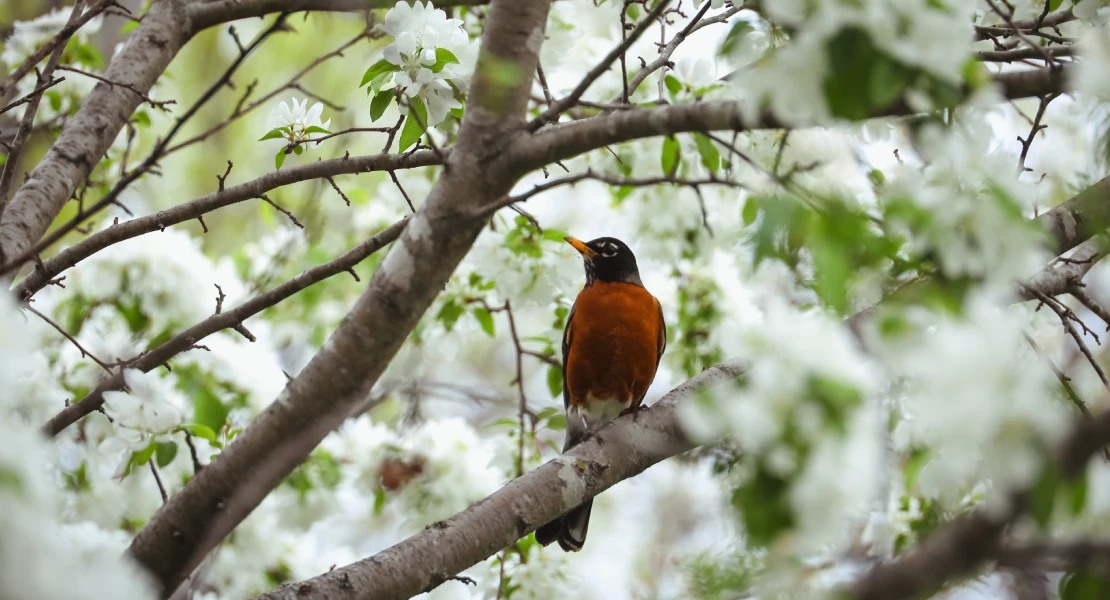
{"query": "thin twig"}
pixel 160 105
pixel 1034 130
pixel 339 191
pixel 397 182
pixel 42 87
pixel 185 340
pixel 160 151
pixel 193 453
pixel 76 21
pixel 15 149
pixel 604 178
pixel 158 480
pixel 561 105
pixel 73 340
pixel 1066 316
pixel 281 210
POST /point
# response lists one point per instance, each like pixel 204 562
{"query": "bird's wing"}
pixel 662 334
pixel 568 332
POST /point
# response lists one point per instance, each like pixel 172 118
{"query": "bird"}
pixel 613 341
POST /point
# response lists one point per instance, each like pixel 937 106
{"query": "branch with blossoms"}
pixel 230 319
pixel 426 71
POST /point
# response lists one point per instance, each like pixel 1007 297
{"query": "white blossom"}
pixel 976 398
pixel 418 31
pixel 297 121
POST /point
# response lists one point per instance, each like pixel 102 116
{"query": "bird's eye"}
pixel 609 250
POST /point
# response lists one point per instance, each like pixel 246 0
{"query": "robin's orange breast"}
pixel 614 348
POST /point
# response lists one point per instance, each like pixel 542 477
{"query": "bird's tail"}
pixel 569 530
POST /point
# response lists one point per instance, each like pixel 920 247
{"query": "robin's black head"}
pixel 607 259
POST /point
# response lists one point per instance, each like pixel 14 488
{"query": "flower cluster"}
pixel 824 69
pixel 430 58
pixel 804 416
pixel 296 126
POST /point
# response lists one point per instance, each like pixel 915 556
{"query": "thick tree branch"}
pixel 208 14
pixel 47 270
pixel 622 449
pixel 962 545
pixel 417 267
pixel 567 140
pixel 221 320
pixel 88 134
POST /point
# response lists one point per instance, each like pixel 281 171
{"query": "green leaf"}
pixel 207 408
pixel 275 133
pixel 888 80
pixel 279 158
pixel 763 504
pixel 740 29
pixel 1042 498
pixel 862 79
pixel 670 156
pixel 380 103
pixel 833 272
pixel 1077 494
pixel 201 431
pixel 315 129
pixel 449 314
pixel 485 319
pixel 165 452
pixel 558 422
pixel 555 381
pixel 413 129
pixel 142 457
pixel 140 118
pixel 750 211
pixel 710 156
pixel 377 83
pixel 1054 4
pixel 673 85
pixel 1084 585
pixel 298 149
pixel 555 235
pixel 382 66
pixel 876 176
pixel 443 58
pixel 128 27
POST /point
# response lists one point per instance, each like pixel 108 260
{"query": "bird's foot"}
pixel 634 410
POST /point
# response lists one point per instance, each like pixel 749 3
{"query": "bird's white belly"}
pixel 600 410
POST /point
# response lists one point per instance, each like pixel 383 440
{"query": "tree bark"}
pixel 620 450
pixel 89 134
pixel 418 265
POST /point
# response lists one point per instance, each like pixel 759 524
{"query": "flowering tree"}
pixel 884 376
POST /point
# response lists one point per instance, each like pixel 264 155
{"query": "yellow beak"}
pixel 581 247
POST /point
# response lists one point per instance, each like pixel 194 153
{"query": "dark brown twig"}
pixel 562 104
pixel 160 105
pixel 281 210
pixel 158 480
pixel 73 340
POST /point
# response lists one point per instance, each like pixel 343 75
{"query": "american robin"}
pixel 612 343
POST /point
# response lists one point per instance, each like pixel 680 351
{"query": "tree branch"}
pixel 622 449
pixel 208 14
pixel 89 133
pixel 566 140
pixel 960 546
pixel 341 374
pixel 69 257
pixel 219 321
